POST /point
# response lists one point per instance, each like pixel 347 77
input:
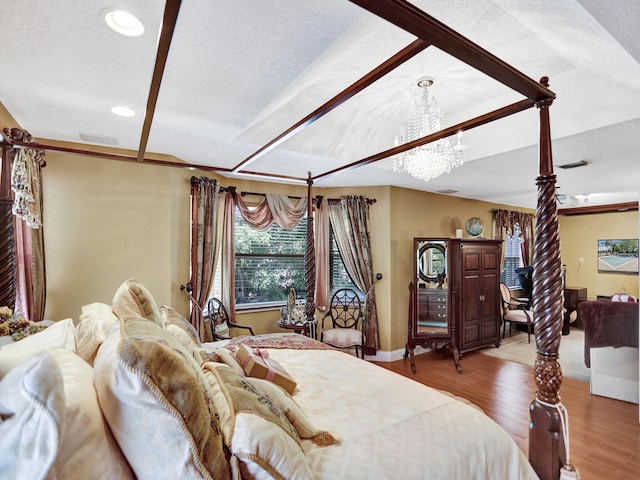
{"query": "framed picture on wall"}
pixel 618 256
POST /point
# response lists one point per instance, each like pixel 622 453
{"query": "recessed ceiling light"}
pixel 123 111
pixel 124 23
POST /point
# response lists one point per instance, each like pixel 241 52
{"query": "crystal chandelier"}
pixel 433 159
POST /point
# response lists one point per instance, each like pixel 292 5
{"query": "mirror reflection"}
pixel 432 291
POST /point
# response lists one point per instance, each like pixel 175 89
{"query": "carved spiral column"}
pixel 546 449
pixel 8 268
pixel 310 259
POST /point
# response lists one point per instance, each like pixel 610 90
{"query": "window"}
pixel 338 275
pixel 512 259
pixel 268 264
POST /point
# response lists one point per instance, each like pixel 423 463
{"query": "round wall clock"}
pixel 474 227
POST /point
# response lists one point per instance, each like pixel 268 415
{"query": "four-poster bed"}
pixel 546 452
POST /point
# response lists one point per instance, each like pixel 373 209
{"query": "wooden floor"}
pixel 605 433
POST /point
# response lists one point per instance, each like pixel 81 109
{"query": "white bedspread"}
pixel 393 427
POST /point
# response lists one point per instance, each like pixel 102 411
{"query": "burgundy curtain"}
pixel 205 196
pixel 349 218
pixel 24 228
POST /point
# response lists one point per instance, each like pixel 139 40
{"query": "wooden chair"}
pixel 347 321
pixel 220 321
pixel 515 311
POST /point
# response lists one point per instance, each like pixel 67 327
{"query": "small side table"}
pixel 310 329
pixel 296 327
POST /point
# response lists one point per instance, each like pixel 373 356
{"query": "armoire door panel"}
pixel 475 266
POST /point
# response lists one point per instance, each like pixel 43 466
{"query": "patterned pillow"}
pixel 262 442
pixel 171 317
pixel 293 412
pixel 224 355
pixel 133 298
pixel 158 404
pixel 186 341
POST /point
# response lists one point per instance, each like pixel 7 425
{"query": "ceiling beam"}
pixel 172 7
pixel 415 21
pixel 380 71
pixel 593 209
pixel 447 132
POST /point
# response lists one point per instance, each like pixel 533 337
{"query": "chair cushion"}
pixel 518 316
pixel 342 337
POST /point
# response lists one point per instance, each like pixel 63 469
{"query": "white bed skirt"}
pixel 614 373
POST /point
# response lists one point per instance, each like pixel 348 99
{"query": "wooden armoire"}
pixel 475 273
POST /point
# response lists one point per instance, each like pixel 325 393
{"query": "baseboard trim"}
pixel 393 355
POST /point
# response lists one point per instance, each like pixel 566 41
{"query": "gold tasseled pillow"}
pixel 261 440
pixel 158 404
pixel 133 298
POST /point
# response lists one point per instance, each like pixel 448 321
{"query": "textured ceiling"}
pixel 240 73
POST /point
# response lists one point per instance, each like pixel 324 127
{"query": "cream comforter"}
pixel 393 427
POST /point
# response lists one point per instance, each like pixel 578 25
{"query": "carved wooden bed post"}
pixel 546 447
pixel 7 234
pixel 310 258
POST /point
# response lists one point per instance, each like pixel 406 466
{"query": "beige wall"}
pixel 421 214
pixel 106 221
pixel 579 237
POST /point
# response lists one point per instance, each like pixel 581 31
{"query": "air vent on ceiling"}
pixel 447 192
pixel 581 163
pixel 103 139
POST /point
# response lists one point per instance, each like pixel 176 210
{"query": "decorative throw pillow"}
pixel 293 412
pixel 133 298
pixel 94 324
pixel 32 413
pixel 186 341
pixel 60 334
pixel 262 442
pixel 224 355
pixel 158 404
pixel 171 317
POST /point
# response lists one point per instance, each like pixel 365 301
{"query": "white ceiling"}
pixel 239 73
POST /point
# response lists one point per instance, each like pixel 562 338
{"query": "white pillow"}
pixel 93 327
pixel 54 422
pixel 87 447
pixel 61 334
pixel 32 412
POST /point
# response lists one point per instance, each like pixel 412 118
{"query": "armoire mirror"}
pixel 430 316
pixel 431 287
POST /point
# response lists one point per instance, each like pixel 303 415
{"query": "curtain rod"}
pixel 264 195
pixel 318 198
pixel 370 201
